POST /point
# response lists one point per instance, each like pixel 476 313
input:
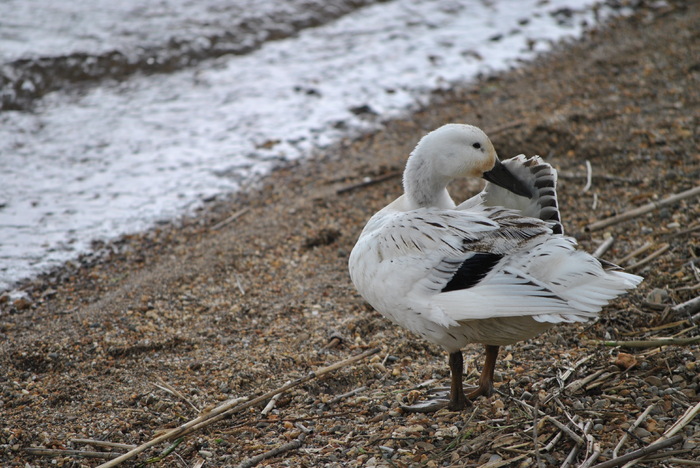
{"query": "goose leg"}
pixel 457 399
pixel 485 387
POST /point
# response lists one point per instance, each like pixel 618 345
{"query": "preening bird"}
pixel 494 270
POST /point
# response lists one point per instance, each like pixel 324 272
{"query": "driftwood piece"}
pixel 642 210
pixel 233 406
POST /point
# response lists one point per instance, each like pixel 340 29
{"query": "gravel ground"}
pixel 158 327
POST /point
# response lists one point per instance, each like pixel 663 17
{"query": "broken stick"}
pixel 640 453
pixel 642 210
pixel 293 445
pixel 687 307
pixel 233 406
pixel 648 343
pixel 604 247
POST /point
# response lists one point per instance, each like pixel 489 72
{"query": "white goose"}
pixel 495 270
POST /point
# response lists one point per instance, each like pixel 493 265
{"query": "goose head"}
pixel 454 151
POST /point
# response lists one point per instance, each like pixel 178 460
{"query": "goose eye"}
pixel 476 145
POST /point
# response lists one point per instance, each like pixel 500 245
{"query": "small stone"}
pixel 653 380
pixel 601 404
pixel 658 296
pixel 598 427
pixel 450 432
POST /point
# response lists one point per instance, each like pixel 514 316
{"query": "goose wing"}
pixel 541 180
pixel 471 265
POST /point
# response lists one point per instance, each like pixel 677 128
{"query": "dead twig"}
pixel 238 284
pixel 347 395
pixel 647 245
pixel 564 428
pixel 642 210
pixel 273 401
pixel 687 307
pixel 234 406
pixel 594 456
pixel 293 445
pixel 589 177
pixel 504 127
pixel 649 258
pixel 166 387
pixel 605 177
pixel 500 463
pixel 574 451
pixel 655 447
pixel 44 452
pixel 634 426
pixel 670 433
pixel 230 219
pixel 538 457
pixel 367 183
pixel 103 443
pixel 604 247
pixel 687 417
pixel 647 343
pixel 577 385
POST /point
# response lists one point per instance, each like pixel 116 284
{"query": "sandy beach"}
pixel 159 328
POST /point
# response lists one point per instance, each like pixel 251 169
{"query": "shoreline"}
pixel 220 313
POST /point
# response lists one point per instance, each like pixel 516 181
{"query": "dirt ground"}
pixel 155 328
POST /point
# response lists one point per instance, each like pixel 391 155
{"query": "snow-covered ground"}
pixel 116 157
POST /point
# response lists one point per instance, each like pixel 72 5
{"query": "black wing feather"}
pixel 472 270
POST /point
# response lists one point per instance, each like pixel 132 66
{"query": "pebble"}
pixel 658 296
pixel 653 380
pixel 601 404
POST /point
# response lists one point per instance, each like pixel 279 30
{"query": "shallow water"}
pixel 114 154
